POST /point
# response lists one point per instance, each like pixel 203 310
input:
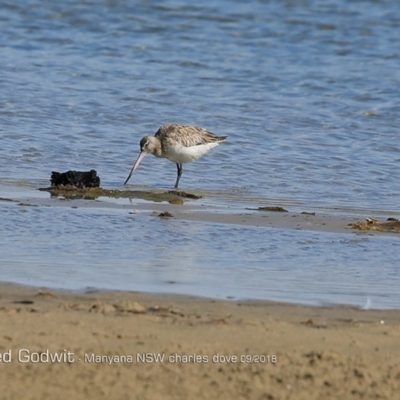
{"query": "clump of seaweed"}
pixel 372 224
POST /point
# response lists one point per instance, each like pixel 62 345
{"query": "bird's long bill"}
pixel 139 159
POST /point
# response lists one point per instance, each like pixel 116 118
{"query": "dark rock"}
pixel 77 179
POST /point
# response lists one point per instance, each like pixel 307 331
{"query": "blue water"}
pixel 306 91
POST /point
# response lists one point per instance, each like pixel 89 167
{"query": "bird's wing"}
pixel 187 135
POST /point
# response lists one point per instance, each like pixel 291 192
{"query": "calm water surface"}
pixel 307 92
pixel 111 248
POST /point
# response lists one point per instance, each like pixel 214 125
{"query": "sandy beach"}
pixel 129 345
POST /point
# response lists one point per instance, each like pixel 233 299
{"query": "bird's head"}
pixel 149 144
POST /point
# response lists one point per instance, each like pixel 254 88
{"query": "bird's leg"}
pixel 180 171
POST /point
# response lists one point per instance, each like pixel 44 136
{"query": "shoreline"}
pixel 301 218
pixel 93 290
pixel 123 344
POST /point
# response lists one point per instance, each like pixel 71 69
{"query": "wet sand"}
pixel 196 207
pixel 130 345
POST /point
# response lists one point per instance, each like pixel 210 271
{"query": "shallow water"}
pixel 306 91
pixel 74 245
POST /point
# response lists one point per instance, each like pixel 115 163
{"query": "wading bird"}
pixel 179 144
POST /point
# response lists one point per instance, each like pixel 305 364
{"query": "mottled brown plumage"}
pixel 179 144
pixel 187 135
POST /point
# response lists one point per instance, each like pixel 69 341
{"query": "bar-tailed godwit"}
pixel 179 144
